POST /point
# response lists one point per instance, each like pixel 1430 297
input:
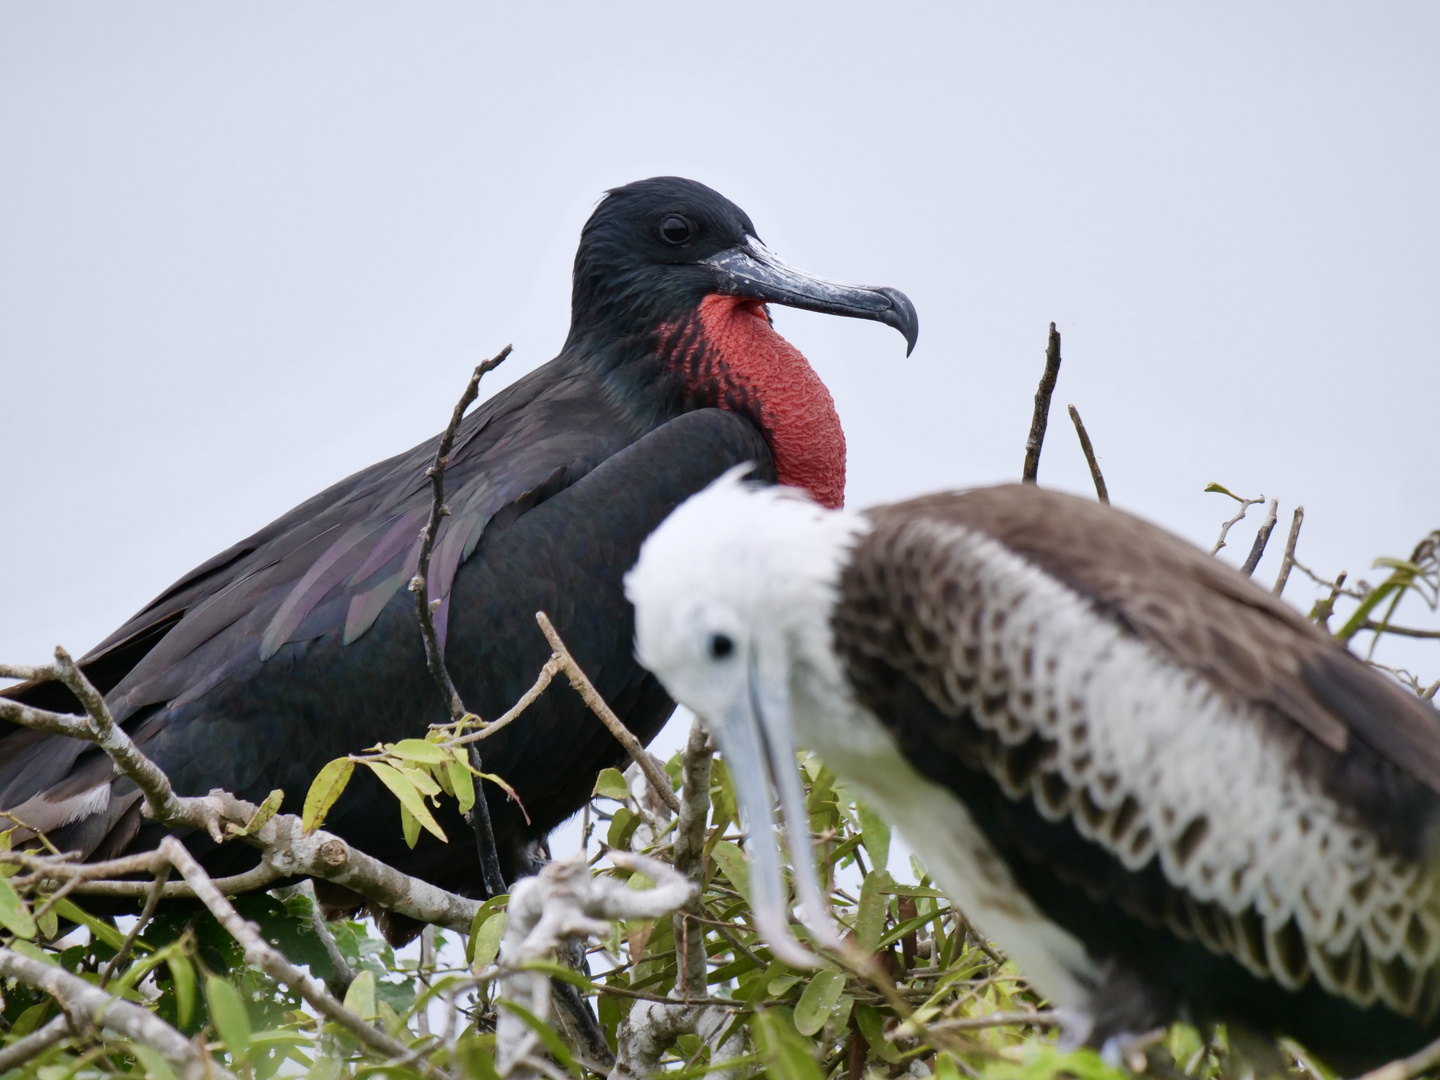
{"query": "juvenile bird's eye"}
pixel 721 646
pixel 675 229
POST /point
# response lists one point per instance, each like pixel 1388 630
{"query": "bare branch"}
pixel 655 774
pixel 433 657
pixel 1289 561
pixel 1041 417
pixel 270 960
pixel 565 900
pixel 1039 1018
pixel 1262 537
pixel 425 608
pixel 88 1004
pixel 35 1044
pixel 1101 492
pixel 287 850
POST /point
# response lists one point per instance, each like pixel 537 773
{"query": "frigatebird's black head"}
pixel 654 249
pixel 670 289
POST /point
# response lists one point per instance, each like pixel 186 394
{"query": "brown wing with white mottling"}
pixel 1123 682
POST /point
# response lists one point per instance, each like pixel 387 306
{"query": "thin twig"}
pixel 654 772
pixel 1257 549
pixel 1289 561
pixel 1402 631
pixel 1040 1018
pixel 1101 492
pixel 434 659
pixel 425 609
pixel 36 1043
pixel 1042 407
pixel 152 901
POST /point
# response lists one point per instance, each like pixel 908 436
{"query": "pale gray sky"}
pixel 248 249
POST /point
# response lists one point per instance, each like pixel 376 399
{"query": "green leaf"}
pixel 476 1054
pixel 731 860
pixel 409 826
pixel 402 787
pixel 263 813
pixel 326 788
pixel 421 778
pixel 1221 489
pixel 463 783
pixel 29 1020
pixel 486 941
pixel 871 1023
pixel 15 913
pixel 875 834
pixel 182 977
pixel 786 1053
pixel 611 784
pixel 227 1012
pixel 818 1001
pixel 360 997
pixel 870 918
pixel 427 753
pixel 49 923
pixel 482 913
pixel 156 1067
pixel 546 1034
pixel 622 827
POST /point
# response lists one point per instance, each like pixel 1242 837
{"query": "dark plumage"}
pixel 1162 791
pixel 300 643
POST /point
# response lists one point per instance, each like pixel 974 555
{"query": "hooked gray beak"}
pixel 754 271
pixel 759 749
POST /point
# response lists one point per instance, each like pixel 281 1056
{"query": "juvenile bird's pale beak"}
pixel 760 751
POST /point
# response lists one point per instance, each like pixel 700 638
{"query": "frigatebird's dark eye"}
pixel 675 229
pixel 721 646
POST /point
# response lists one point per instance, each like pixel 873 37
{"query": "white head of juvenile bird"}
pixel 732 596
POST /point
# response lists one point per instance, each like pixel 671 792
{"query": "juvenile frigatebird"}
pixel 301 643
pixel 1163 792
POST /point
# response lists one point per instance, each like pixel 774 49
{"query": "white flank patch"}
pixel 40 812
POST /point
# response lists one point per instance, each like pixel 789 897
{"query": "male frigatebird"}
pixel 300 643
pixel 1161 790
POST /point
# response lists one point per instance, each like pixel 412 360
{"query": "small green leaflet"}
pixel 427 753
pixel 14 912
pixel 227 1012
pixel 404 789
pixel 326 788
pixel 875 835
pixel 731 860
pixel 818 1001
pixel 360 998
pixel 611 784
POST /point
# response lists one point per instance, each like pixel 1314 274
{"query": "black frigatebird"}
pixel 300 643
pixel 1162 791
